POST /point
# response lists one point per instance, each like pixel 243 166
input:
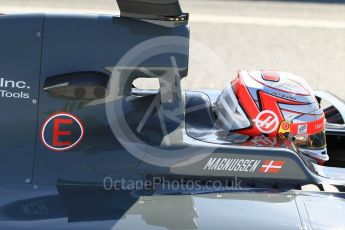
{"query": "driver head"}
pixel 274 104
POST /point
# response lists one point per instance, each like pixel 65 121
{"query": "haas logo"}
pixel 264 141
pixel 267 121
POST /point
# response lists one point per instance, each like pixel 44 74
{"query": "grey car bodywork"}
pixel 85 65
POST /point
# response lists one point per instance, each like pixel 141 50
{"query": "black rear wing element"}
pixel 162 10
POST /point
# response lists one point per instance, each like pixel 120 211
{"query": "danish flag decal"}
pixel 271 166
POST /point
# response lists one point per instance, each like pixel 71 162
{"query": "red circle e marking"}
pixel 60 126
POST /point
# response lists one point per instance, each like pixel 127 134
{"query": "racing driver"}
pixel 274 104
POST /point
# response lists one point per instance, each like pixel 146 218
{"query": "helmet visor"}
pixel 314 141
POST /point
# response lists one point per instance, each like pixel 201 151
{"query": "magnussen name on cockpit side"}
pixel 230 164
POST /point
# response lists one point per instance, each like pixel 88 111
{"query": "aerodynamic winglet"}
pixel 162 10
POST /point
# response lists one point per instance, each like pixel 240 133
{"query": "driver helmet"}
pixel 274 104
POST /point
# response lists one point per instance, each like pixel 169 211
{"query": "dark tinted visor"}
pixel 315 141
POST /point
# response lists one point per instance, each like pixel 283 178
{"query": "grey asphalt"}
pixel 307 39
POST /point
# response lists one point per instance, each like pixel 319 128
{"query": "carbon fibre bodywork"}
pixel 73 207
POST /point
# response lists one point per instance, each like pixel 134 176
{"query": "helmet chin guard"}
pixel 318 156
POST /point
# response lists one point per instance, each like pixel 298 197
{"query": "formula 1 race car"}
pixel 83 147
